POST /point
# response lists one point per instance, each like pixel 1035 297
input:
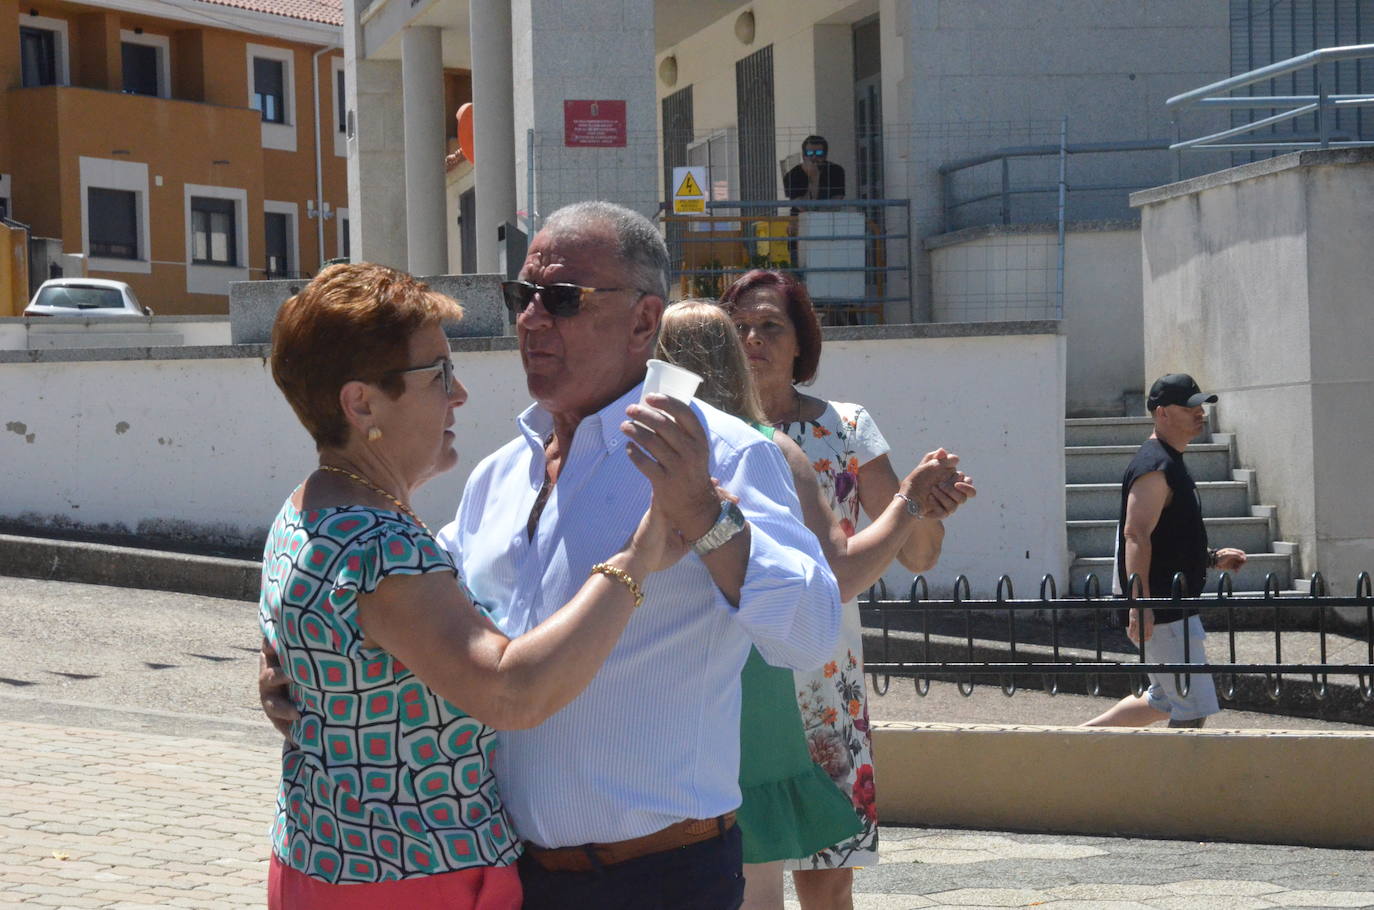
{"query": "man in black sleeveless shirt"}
pixel 1161 534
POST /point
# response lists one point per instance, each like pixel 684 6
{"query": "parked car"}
pixel 88 297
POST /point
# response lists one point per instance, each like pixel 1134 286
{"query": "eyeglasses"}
pixel 560 299
pixel 814 153
pixel 443 364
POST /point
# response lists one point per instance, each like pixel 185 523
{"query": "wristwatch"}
pixel 913 508
pixel 729 523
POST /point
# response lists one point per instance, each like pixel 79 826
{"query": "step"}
pixel 1113 431
pixel 1086 501
pixel 1104 464
pixel 1097 537
pixel 1251 577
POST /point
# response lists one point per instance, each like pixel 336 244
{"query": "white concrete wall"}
pixel 996 401
pixel 208 449
pixel 1009 272
pixel 20 334
pixel 1257 281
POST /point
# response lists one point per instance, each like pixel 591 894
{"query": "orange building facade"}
pixel 177 148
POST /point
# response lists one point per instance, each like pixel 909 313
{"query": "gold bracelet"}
pixel 620 575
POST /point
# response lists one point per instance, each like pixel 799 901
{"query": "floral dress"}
pixel 833 700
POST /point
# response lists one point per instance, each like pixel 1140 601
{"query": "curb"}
pixel 129 567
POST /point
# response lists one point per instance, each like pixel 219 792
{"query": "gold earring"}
pixel 374 434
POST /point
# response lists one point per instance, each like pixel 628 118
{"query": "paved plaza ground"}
pixel 135 772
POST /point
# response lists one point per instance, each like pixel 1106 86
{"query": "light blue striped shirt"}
pixel 655 738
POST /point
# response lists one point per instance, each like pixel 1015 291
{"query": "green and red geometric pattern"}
pixel 385 779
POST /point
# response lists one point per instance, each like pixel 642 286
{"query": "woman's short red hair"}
pixel 800 310
pixel 353 321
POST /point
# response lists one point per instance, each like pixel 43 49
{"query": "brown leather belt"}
pixel 587 857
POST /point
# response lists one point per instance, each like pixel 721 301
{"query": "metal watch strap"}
pixel 913 508
pixel 729 523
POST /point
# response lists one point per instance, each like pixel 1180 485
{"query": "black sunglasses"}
pixel 560 299
pixel 815 153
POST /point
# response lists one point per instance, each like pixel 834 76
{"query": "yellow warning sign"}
pixel 689 197
pixel 688 187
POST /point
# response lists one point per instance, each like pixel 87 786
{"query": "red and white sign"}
pixel 594 124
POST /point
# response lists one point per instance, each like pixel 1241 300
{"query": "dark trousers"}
pixel 702 876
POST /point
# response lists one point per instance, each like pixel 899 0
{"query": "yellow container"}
pixel 14 270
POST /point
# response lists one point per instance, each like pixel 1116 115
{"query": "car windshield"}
pixel 80 297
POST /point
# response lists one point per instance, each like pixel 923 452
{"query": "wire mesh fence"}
pixel 870 241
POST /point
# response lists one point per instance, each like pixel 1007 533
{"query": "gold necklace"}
pixel 376 489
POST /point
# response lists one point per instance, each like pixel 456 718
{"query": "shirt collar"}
pixel 536 424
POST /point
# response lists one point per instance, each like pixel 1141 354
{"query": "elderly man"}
pixel 625 797
pixel 1160 534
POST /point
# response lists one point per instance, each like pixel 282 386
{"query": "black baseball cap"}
pixel 1177 388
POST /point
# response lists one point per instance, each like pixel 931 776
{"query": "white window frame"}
pixel 164 56
pixel 282 135
pixel 293 240
pixel 110 174
pixel 336 67
pixel 5 195
pixel 215 279
pixel 341 217
pixel 63 45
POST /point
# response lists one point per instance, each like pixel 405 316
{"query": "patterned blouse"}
pixel 385 780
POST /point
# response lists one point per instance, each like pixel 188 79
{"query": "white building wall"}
pixel 206 448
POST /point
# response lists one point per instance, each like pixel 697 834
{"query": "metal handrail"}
pixel 1321 103
pixel 1311 58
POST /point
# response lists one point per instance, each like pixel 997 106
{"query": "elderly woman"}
pixel 777 323
pixel 789 806
pixel 386 797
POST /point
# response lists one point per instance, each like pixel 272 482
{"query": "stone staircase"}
pixel 1096 454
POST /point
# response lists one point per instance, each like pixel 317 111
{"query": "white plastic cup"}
pixel 671 380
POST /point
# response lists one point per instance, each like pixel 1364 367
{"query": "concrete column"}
pixel 422 89
pixel 614 61
pixel 376 156
pixel 493 125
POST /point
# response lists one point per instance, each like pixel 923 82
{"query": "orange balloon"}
pixel 465 143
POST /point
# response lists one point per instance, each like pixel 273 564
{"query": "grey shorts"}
pixel 1166 647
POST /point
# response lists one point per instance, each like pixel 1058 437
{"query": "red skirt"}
pixel 481 888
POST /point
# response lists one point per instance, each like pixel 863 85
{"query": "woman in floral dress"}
pixel 781 334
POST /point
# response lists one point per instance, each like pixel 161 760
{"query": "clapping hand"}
pixel 937 486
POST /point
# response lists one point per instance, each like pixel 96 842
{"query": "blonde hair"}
pixel 699 336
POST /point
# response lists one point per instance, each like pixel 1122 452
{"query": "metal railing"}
pixel 1324 106
pixel 1005 190
pixel 1059 642
pixel 851 270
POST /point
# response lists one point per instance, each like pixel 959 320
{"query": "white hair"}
pixel 641 247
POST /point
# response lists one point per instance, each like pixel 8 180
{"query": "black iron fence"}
pixel 1007 639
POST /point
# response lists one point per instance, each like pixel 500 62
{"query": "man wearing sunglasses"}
pixel 626 797
pixel 815 177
